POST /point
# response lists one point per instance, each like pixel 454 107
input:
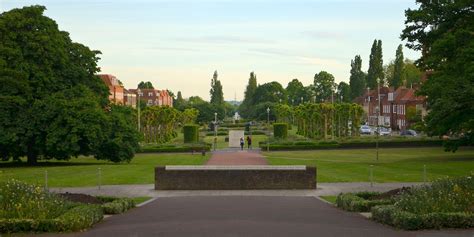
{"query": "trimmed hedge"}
pixel 390 215
pixel 114 205
pixel 310 145
pixel 358 202
pixel 191 133
pixel 75 219
pixel 176 148
pixel 280 130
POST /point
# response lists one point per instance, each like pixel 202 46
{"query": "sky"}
pixel 178 44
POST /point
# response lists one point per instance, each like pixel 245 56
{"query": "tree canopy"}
pixel 357 80
pixel 324 86
pixel 443 31
pixel 217 95
pixel 296 90
pixel 51 103
pixel 145 85
pixel 375 73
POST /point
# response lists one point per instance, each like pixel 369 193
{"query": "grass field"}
pixel 83 171
pixel 394 165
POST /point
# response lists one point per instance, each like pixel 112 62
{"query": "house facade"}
pixel 394 105
pixel 154 97
pixel 116 91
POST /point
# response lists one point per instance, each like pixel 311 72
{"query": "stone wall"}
pixel 234 177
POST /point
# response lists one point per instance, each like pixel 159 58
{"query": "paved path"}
pixel 246 216
pixel 323 189
pixel 237 157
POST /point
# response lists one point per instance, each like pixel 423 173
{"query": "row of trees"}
pixel 51 103
pixel 398 72
pixel 319 120
pixel 159 123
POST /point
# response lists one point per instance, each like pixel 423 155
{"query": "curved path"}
pixel 246 216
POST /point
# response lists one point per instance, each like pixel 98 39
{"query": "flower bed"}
pixel 29 208
pixel 113 205
pixel 447 203
pixel 361 201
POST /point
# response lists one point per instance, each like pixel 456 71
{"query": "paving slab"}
pixel 237 157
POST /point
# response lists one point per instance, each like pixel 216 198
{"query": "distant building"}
pixel 130 98
pixel 154 97
pixel 116 91
pixel 393 106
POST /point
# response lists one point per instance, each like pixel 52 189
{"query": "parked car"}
pixel 364 129
pixel 408 132
pixel 384 131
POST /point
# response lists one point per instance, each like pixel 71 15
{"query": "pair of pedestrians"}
pixel 249 143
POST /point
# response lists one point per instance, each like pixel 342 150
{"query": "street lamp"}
pixel 302 100
pixel 138 107
pixel 268 128
pixel 378 121
pixel 215 130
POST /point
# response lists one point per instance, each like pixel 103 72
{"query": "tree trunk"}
pixel 31 155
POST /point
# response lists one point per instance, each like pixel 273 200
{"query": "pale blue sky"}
pixel 177 44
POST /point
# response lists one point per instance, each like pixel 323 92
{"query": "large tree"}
pixel 398 68
pixel 443 31
pixel 296 91
pixel 324 86
pixel 375 73
pixel 343 92
pixel 145 85
pixel 357 79
pixel 246 105
pixel 217 95
pixel 51 103
pixel 411 74
pixel 270 92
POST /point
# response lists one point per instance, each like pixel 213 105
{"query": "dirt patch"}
pixel 390 194
pixel 82 198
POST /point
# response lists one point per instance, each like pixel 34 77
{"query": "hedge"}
pixel 310 145
pixel 77 218
pixel 280 130
pixel 191 133
pixel 176 148
pixel 358 202
pixel 390 215
pixel 114 205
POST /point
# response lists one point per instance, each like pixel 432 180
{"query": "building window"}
pixel 150 102
pixel 394 109
pixel 390 96
pixel 140 94
pixel 150 94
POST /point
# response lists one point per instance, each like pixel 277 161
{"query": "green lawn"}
pixel 331 199
pixel 139 200
pixel 222 144
pixel 394 165
pixel 83 171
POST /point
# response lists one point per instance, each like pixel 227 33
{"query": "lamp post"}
pixel 302 100
pixel 138 108
pixel 215 130
pixel 332 124
pixel 378 121
pixel 268 127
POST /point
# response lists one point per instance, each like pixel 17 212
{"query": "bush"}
pixel 176 148
pixel 114 205
pixel 191 133
pixel 19 200
pixel 280 130
pixel 446 203
pixel 77 218
pixel 357 202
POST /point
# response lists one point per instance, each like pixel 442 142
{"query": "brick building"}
pixel 154 97
pixel 116 91
pixel 394 105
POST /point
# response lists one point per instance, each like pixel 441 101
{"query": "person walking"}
pixel 242 143
pixel 249 143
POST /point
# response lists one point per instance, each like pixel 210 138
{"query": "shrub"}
pixel 191 133
pixel 19 200
pixel 358 202
pixel 77 218
pixel 446 203
pixel 114 205
pixel 280 130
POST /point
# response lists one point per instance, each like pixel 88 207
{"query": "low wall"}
pixel 234 177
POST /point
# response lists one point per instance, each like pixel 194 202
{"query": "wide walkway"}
pixel 246 216
pixel 237 157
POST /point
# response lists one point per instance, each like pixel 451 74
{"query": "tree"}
pixel 179 102
pixel 246 105
pixel 343 92
pixel 296 91
pixel 52 105
pixel 324 86
pixel 397 78
pixel 375 73
pixel 357 80
pixel 270 92
pixel 442 30
pixel 145 85
pixel 411 74
pixel 217 95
